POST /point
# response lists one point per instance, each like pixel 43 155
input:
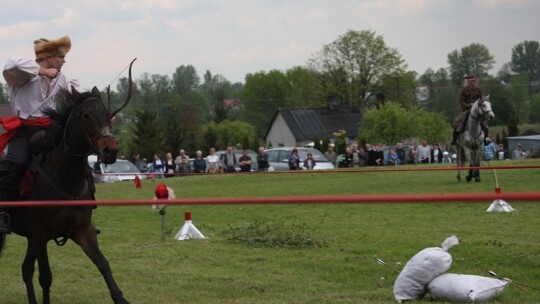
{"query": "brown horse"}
pixel 63 175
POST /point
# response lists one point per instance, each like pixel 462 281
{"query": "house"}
pixel 232 103
pixel 298 127
pixel 530 144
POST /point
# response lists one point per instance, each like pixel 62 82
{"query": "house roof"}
pixel 308 123
pixel 529 132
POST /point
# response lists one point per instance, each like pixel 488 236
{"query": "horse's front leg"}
pixel 34 250
pixel 45 274
pixel 86 238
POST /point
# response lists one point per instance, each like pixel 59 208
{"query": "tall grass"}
pixel 229 268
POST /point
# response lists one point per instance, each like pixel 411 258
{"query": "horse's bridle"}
pixel 481 111
pixel 91 140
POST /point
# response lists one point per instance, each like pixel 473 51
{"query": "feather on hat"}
pixel 45 47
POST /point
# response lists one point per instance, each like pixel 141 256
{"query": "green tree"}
pixel 354 65
pixel 145 135
pixel 526 59
pixel 472 59
pixel 400 88
pixel 390 124
pixel 512 125
pixel 263 94
pixel 519 95
pixel 3 94
pixel 185 79
pixel 393 123
pixel 534 113
pixel 305 88
pixel 234 133
pixel 499 96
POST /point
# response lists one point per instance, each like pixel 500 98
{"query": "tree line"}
pixel 187 111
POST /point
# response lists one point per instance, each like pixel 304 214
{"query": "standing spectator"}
pixel 355 155
pixel 229 161
pixel 518 153
pixel 362 157
pixel 159 166
pixel 501 154
pixel 262 160
pixel 393 159
pixel 331 155
pixel 182 161
pixel 371 156
pixel 400 153
pixel 411 158
pixel 214 164
pixel 309 162
pixel 199 164
pixel 435 154
pixel 245 161
pixel 294 160
pixel 423 153
pixel 139 163
pixel 347 160
pixel 170 165
pixel 378 156
pixel 489 150
pixel 446 158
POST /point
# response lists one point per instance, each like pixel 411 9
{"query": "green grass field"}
pixel 228 268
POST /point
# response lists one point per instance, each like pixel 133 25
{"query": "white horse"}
pixel 470 143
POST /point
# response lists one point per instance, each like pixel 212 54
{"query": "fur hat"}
pixel 45 47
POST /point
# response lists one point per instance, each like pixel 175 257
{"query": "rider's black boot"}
pixel 454 138
pixel 4 217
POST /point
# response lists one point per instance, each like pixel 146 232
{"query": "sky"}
pixel 237 37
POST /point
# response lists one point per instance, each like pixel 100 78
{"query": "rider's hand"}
pixel 48 72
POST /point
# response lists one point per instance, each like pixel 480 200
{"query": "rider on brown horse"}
pixel 34 85
pixel 468 96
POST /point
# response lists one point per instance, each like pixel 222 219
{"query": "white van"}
pixel 121 170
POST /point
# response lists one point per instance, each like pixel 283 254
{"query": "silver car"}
pixel 279 158
pixel 121 170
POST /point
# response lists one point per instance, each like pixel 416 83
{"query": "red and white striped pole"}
pixel 188 231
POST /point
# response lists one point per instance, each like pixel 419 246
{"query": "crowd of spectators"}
pixel 424 153
pixel 353 156
pixel 227 162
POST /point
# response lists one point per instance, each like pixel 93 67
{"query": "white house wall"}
pixel 280 134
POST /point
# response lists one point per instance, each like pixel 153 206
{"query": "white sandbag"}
pixel 463 288
pixel 411 284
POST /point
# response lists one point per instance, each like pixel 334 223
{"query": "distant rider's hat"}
pixel 471 77
pixel 45 48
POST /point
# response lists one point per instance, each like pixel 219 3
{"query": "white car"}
pixel 121 170
pixel 279 158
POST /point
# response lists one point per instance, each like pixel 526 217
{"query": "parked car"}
pixel 238 154
pixel 121 170
pixel 279 158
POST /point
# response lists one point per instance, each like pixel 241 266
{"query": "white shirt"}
pixel 30 93
pixel 212 158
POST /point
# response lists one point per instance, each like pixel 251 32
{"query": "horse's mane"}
pixel 64 106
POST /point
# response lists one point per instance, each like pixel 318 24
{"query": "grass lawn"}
pixel 340 268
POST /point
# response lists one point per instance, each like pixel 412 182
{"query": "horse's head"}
pixel 91 122
pixel 484 108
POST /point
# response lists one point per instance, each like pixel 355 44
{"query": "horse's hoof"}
pixel 477 180
pixel 468 178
